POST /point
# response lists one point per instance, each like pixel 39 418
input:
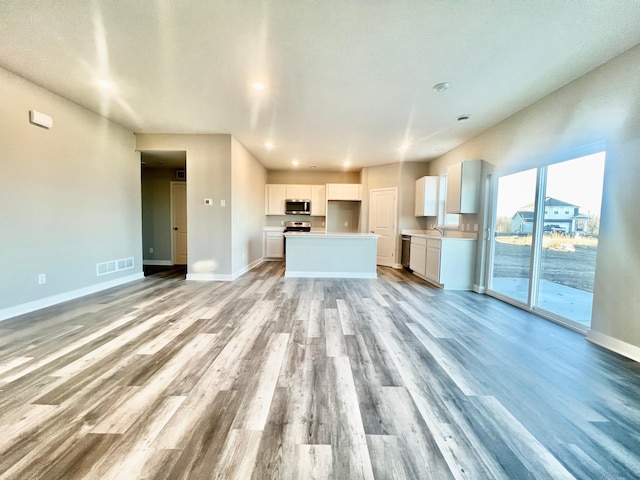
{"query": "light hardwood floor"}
pixel 269 378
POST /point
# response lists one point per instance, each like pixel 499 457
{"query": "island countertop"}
pixel 330 234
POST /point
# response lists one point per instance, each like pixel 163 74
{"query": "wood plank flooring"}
pixel 274 378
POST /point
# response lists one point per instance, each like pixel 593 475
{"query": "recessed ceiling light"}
pixel 346 163
pixel 105 84
pixel 463 118
pixel 439 149
pixel 294 163
pixel 404 147
pixel 268 145
pixel 312 166
pixel 258 85
pixel 441 87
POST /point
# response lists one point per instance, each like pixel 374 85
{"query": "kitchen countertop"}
pixel 450 234
pixel 322 234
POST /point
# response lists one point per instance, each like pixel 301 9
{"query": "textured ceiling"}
pixel 345 79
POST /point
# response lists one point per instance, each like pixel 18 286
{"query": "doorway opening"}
pixel 164 211
pixel 546 222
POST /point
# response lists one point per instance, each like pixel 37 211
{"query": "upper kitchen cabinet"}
pixel 427 197
pixel 275 195
pixel 298 192
pixel 463 187
pixel 343 191
pixel 318 200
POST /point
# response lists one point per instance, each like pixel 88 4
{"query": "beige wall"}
pixel 403 177
pixel 311 177
pixel 222 240
pixel 603 105
pixel 70 198
pixel 248 180
pixel 208 176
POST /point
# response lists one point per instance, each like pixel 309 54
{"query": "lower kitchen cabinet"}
pixel 446 262
pixel 432 268
pixel 273 245
pixel 418 250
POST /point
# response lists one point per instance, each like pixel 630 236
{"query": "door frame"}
pixel 395 263
pixel 173 240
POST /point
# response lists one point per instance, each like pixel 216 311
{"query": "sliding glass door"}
pixel 511 272
pixel 544 246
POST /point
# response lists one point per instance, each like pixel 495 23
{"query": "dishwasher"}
pixel 406 252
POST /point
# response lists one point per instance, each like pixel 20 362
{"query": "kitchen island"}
pixel 331 255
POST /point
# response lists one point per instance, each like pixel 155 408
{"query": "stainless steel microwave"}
pixel 297 207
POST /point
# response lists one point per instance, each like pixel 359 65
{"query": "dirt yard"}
pixel 573 269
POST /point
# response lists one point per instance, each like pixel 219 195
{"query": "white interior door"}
pixel 179 222
pixel 383 210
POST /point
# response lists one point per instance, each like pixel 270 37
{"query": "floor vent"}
pixel 113 266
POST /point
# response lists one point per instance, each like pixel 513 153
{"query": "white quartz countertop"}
pixel 330 235
pixel 273 229
pixel 449 234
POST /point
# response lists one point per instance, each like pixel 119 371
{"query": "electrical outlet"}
pixel 222 203
pixel 475 227
pixel 150 249
pixel 42 279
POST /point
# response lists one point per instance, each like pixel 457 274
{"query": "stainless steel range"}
pixel 295 227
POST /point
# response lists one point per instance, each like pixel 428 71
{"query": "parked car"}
pixel 553 229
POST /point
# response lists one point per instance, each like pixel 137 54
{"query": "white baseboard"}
pixel 397 265
pixel 479 289
pixel 246 268
pixel 160 263
pixel 329 275
pixel 225 277
pixel 623 348
pixel 65 297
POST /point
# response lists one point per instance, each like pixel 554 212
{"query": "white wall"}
pixel 208 176
pixel 70 198
pixel 248 180
pixel 603 105
pixel 403 176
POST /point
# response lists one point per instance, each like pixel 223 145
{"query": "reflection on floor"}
pixel 559 299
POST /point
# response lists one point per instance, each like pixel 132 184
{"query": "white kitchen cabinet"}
pixel 318 201
pixel 343 191
pixel 273 245
pixel 463 187
pixel 418 257
pixel 432 268
pixel 446 262
pixel 427 196
pixel 275 196
pixel 298 192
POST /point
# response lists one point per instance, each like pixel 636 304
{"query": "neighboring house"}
pixel 522 222
pixel 558 216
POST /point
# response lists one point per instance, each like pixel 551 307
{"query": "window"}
pixel 566 211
